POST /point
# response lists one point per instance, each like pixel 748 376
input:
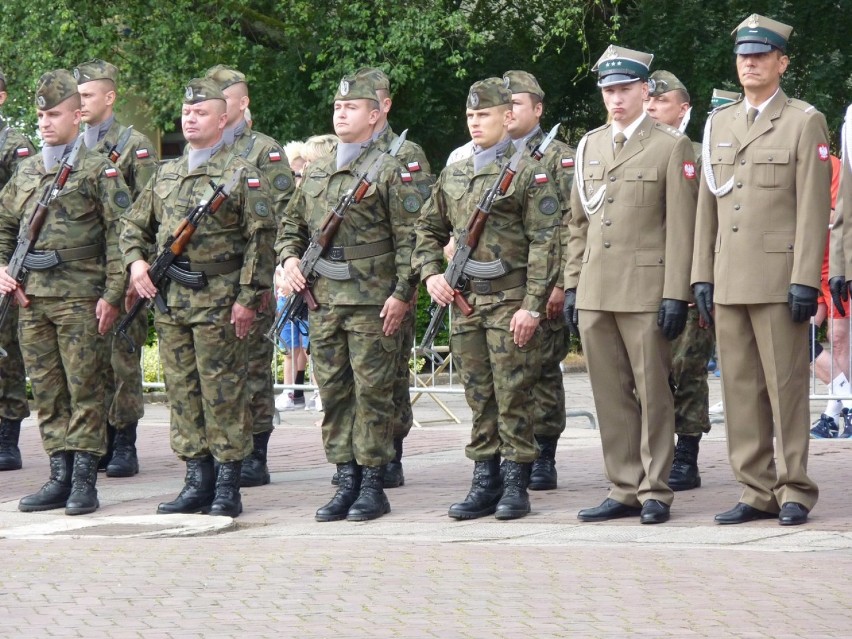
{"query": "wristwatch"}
pixel 534 314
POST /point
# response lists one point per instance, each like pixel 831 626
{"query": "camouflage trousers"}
pixel 498 379
pixel 13 377
pixel 205 369
pixel 355 366
pixel 403 418
pixel 260 354
pixel 549 392
pixel 690 353
pixel 123 381
pixel 66 360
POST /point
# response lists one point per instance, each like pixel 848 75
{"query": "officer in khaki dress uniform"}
pixel 632 223
pixel 269 158
pixel 498 347
pixel 549 393
pixel 763 210
pixel 137 161
pixel 203 337
pixel 355 331
pixel 73 303
pixel 14 408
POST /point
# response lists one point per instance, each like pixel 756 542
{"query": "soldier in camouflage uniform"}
pixel 498 347
pixel 355 332
pixel 14 407
pixel 558 159
pixel 202 339
pixel 74 303
pixel 418 173
pixel 137 161
pixel 668 102
pixel 269 158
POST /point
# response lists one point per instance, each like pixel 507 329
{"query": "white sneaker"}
pixel 318 402
pixel 717 409
pixel 310 403
pixel 286 401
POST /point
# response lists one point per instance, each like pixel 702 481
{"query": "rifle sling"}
pixel 360 251
pixel 516 278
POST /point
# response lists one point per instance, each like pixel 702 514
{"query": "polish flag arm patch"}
pixel 274 156
pixel 253 183
pixel 22 152
pixel 822 152
pixel 689 170
pixel 405 175
pixel 414 166
pixel 541 178
pixel 567 163
pixel 142 154
pixel 111 172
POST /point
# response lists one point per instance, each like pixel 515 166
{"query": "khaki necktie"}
pixel 619 140
pixel 751 116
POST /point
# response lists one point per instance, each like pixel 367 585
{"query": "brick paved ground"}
pixel 274 572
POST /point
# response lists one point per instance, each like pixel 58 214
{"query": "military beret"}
pixel 487 93
pixel 202 89
pixel 621 66
pixel 660 82
pixel 379 78
pixel 355 87
pixel 523 82
pixel 54 87
pixel 758 34
pixel 721 98
pixel 224 76
pixel 95 70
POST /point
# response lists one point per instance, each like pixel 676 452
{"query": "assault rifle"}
pixel 461 266
pixel 163 267
pixel 312 265
pixel 22 260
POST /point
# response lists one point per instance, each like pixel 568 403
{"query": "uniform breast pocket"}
pixel 75 204
pixel 722 161
pixel 164 187
pixel 592 178
pixel 642 186
pixel 772 169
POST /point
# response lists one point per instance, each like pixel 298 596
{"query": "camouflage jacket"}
pixel 386 213
pixel 243 229
pixel 86 213
pixel 411 155
pixel 138 160
pixel 522 229
pixel 264 153
pixel 558 159
pixel 14 147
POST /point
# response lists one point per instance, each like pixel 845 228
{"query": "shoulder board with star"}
pixel 665 128
pixel 801 105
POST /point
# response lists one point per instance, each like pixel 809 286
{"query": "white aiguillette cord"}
pixel 592 204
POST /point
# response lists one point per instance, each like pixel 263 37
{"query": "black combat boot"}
pixel 54 494
pixel 124 462
pixel 227 501
pixel 684 474
pixel 348 487
pixel 198 489
pixel 255 472
pixel 485 491
pixel 104 461
pixel 372 502
pixel 10 454
pixel 393 470
pixel 515 502
pixel 84 496
pixel 543 473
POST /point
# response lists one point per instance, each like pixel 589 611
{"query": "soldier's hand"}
pixel 106 314
pixel 523 326
pixel 130 297
pixel 439 290
pixel 393 312
pixel 803 302
pixel 140 281
pixel 555 302
pixel 839 293
pixel 265 298
pixel 292 275
pixel 7 282
pixel 671 317
pixel 242 318
pixel 569 311
pixel 703 292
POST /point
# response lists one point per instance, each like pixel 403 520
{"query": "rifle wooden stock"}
pixel 464 306
pixel 506 182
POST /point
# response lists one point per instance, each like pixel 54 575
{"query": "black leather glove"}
pixel 671 317
pixel 839 293
pixel 703 292
pixel 803 302
pixel 569 311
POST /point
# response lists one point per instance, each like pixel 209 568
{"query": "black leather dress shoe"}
pixel 609 509
pixel 654 512
pixel 741 513
pixel 792 514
